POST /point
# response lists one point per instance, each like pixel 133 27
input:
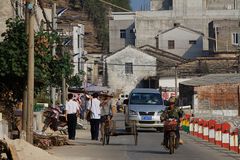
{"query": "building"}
pixel 224 35
pixel 12 9
pixel 212 95
pixel 181 41
pixel 121 30
pixel 165 13
pixel 78 49
pixel 129 68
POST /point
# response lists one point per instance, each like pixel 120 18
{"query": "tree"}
pixel 14 60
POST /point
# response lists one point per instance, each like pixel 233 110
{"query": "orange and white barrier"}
pixel 205 130
pixel 211 131
pixel 200 128
pixel 191 126
pixel 226 135
pixel 218 134
pixel 234 146
pixel 195 127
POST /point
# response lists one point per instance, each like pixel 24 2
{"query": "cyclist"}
pixel 171 112
pixel 106 111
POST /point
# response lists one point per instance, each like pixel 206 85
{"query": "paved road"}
pixel 148 148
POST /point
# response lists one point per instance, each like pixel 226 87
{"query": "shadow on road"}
pixel 148 151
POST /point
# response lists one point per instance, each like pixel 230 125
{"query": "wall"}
pixel 222 31
pixel 8 11
pixel 78 47
pixel 181 39
pixel 115 25
pixel 189 13
pixel 156 5
pixel 223 4
pixel 217 100
pixel 118 79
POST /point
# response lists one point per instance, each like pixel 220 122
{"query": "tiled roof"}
pixel 213 79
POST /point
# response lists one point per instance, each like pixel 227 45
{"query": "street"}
pixel 148 148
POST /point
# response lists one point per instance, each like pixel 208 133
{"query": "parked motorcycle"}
pixel 171 141
pixel 55 120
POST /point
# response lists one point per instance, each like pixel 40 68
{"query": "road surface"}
pixel 148 148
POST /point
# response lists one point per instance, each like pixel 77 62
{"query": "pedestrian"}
pixel 94 107
pixel 106 112
pixel 118 104
pixel 72 109
pixel 85 99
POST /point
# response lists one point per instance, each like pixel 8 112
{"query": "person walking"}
pixel 118 104
pixel 72 109
pixel 94 107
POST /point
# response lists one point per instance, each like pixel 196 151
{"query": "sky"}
pixel 139 4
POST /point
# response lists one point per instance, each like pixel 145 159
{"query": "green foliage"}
pixel 14 60
pixel 76 81
pixel 13 57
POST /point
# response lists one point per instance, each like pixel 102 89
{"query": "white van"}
pixel 145 107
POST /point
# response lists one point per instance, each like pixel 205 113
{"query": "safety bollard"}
pixel 234 140
pixel 218 134
pixel 205 130
pixel 195 127
pixel 226 135
pixel 200 128
pixel 191 126
pixel 211 131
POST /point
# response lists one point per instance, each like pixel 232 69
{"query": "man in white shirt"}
pixel 94 106
pixel 72 109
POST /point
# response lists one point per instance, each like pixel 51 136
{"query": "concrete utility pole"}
pixel 24 116
pixel 63 84
pixel 54 26
pixel 30 87
pixel 176 87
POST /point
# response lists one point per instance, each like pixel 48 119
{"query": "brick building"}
pixel 212 95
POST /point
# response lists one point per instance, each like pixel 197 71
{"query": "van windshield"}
pixel 146 99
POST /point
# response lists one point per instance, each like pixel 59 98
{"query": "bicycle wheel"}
pixel 171 142
pixel 135 133
pixel 103 138
pixel 107 135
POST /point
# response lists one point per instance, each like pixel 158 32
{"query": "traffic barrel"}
pixel 234 146
pixel 218 134
pixel 191 126
pixel 200 128
pixel 211 131
pixel 195 133
pixel 205 130
pixel 226 135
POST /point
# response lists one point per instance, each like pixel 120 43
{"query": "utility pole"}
pixel 54 26
pixel 63 84
pixel 30 85
pixel 176 75
pixel 25 98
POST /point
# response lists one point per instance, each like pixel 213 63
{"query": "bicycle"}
pixel 171 139
pixel 106 130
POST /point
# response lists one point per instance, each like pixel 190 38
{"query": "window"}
pixel 122 33
pixel 171 44
pixel 128 68
pixel 146 99
pixel 192 42
pixel 235 38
